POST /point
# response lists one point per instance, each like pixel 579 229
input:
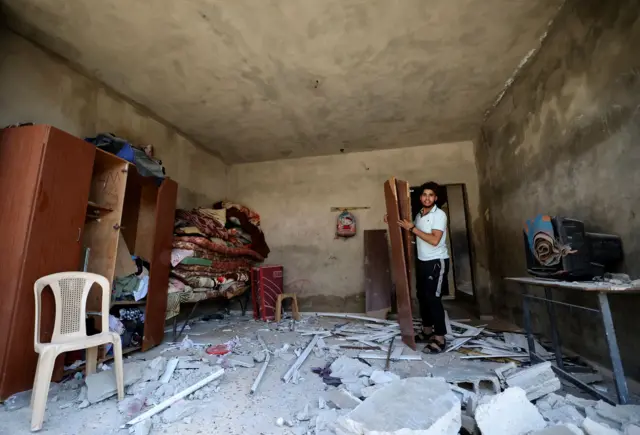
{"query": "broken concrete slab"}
pixel 368 391
pixel 560 430
pixel 632 430
pixel 551 401
pixel 537 380
pixel 424 406
pixel 178 411
pixel 154 369
pixel 349 369
pixel 621 414
pixel 326 421
pixel 469 377
pixel 142 428
pixel 580 403
pixel 590 427
pixel 356 387
pixel 382 377
pixel 596 417
pixel 563 414
pixel 143 388
pixel 102 385
pixel 341 398
pixel 164 391
pixel 509 413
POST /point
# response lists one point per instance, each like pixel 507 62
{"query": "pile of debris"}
pixel 467 400
pixel 364 379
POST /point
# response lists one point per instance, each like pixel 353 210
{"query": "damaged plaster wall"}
pixel 38 87
pixel 294 198
pixel 564 141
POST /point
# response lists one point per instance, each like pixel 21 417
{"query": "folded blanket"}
pixel 205 224
pixel 214 247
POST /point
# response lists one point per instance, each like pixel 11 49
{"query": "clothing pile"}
pixel 213 252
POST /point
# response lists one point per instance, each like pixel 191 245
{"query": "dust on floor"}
pixel 226 406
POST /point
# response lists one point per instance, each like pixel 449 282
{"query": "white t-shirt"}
pixel 436 219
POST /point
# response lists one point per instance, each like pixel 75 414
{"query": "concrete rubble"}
pixel 509 413
pixel 341 398
pixel 537 381
pixel 424 406
pixel 102 385
pixel 349 391
pixel 480 380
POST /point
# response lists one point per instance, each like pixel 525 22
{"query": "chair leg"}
pixel 118 367
pixel 278 312
pixel 46 361
pixel 92 360
pixel 35 381
pixel 294 308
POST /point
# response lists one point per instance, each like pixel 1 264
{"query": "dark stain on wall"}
pixel 565 140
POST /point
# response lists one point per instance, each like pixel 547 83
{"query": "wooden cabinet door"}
pixel 54 242
pixel 160 264
pixel 21 151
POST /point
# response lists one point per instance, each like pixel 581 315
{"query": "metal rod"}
pixel 553 320
pixel 577 382
pixel 614 351
pixel 387 365
pixel 173 399
pixel 254 387
pixel 186 322
pixel 528 296
pixel 526 312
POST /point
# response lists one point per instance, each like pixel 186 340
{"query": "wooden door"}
pixel 160 264
pixel 54 245
pixel 399 264
pixel 21 151
pixel 377 273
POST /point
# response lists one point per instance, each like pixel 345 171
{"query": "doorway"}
pixel 453 201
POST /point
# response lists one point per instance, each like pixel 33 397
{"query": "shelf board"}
pixel 117 303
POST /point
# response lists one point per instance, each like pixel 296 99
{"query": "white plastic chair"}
pixel 70 290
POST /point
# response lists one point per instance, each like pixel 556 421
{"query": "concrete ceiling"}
pixel 258 80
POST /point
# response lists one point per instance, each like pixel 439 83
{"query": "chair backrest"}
pixel 70 290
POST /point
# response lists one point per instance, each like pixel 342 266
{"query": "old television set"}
pixel 560 248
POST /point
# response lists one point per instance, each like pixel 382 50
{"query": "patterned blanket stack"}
pixel 213 252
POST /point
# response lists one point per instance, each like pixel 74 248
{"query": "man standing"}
pixel 432 266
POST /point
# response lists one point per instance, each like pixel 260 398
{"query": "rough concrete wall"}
pixel 38 87
pixel 564 141
pixel 294 198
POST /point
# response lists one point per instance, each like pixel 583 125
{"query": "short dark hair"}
pixel 431 185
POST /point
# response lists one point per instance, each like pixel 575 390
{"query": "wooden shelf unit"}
pixel 134 203
pixel 62 194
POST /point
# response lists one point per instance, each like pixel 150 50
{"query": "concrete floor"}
pixel 230 410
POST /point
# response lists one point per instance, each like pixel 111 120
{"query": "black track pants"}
pixel 431 282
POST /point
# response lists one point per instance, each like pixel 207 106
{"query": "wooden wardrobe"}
pixel 54 186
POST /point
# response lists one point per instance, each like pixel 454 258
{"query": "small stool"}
pixel 294 306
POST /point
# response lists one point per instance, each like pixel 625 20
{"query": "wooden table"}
pixel 602 290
